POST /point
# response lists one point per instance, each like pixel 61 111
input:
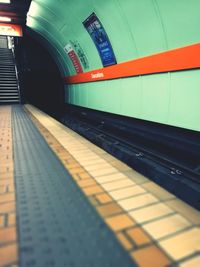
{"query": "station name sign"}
pixel 10 30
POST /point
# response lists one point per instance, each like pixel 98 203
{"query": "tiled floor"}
pixel 155 227
pixel 8 232
pixel 57 225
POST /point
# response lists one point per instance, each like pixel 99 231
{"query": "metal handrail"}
pixel 16 72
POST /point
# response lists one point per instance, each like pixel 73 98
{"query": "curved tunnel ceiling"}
pixel 136 29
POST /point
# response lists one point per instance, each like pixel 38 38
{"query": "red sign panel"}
pixel 74 58
pixel 10 30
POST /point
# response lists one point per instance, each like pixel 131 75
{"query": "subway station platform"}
pixel 66 202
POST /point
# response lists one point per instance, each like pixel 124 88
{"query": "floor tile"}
pixel 109 209
pixel 117 184
pixel 102 171
pixel 119 222
pixel 136 177
pixel 158 191
pixel 194 262
pixel 138 236
pixel 151 212
pixel 183 244
pixel 110 177
pixel 104 198
pixel 186 210
pixel 127 192
pixel 137 201
pixel 164 227
pixel 150 257
pixel 8 254
pixel 124 241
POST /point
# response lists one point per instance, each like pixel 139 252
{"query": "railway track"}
pixel 153 163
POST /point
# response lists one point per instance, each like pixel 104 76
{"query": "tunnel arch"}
pixel 136 29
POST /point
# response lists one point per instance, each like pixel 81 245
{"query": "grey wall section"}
pixel 3 42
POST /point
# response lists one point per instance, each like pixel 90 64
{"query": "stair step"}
pixel 10 98
pixel 10 78
pixel 6 54
pixel 5 68
pixel 3 74
pixel 8 95
pixel 2 83
pixel 9 91
pixel 6 58
pixel 9 88
pixel 7 72
pixel 6 63
pixel 9 101
pixel 2 66
pixel 8 85
pixel 11 60
pixel 8 81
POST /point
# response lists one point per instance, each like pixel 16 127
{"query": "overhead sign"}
pixel 10 30
pixel 74 58
pixel 101 40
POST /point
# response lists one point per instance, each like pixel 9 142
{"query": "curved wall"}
pixel 136 28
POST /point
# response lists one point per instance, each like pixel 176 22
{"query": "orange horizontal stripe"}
pixel 177 59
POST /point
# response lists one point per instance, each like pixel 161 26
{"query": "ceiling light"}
pixel 5 1
pixel 5 19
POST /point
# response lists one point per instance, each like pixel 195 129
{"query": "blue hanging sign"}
pixel 101 40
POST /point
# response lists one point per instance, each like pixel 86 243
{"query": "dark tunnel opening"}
pixel 41 83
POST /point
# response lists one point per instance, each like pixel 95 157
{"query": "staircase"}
pixel 9 89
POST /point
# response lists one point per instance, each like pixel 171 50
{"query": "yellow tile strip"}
pixel 145 218
pixel 8 231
